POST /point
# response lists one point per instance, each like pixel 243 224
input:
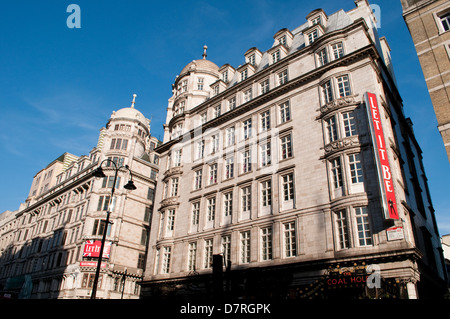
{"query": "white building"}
pixel 49 247
pixel 271 166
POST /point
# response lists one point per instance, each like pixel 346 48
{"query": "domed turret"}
pixel 201 65
pixel 130 113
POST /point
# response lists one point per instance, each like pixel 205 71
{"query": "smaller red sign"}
pixel 92 248
pixel 346 280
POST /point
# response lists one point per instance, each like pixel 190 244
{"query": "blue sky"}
pixel 58 86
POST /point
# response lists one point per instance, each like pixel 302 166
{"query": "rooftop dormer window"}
pixel 277 53
pixel 244 74
pixel 316 20
pixel 251 59
pixel 313 36
pixel 225 76
pixel 253 56
pixel 283 37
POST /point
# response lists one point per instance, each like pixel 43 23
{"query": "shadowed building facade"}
pixel 428 22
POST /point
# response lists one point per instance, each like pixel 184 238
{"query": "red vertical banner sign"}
pixel 384 169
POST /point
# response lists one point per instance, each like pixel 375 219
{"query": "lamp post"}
pixel 130 186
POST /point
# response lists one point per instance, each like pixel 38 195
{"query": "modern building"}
pixel 428 22
pixel 294 175
pixel 49 248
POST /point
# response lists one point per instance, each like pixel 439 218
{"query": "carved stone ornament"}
pixel 340 144
pixel 173 171
pixel 338 103
pixel 169 201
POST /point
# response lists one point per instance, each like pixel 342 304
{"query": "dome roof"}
pixel 200 65
pixel 130 113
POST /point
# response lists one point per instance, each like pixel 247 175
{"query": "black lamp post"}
pixel 130 186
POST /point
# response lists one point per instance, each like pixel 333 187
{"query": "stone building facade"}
pixel 428 22
pixel 49 247
pixel 269 184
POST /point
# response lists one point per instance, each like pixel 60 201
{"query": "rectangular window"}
pixel 338 50
pixel 208 253
pixel 290 246
pixel 332 129
pixel 343 83
pixel 288 187
pixel 230 136
pixel 337 173
pixel 228 204
pixel 177 158
pixel 225 76
pixel 266 243
pixel 195 213
pixel 200 149
pixel 342 229
pixel 362 222
pixel 316 21
pixel 217 110
pixel 251 59
pixel 99 228
pixel 349 123
pixel 174 187
pixel 200 84
pixel 232 103
pixel 327 92
pixel 285 112
pixel 355 168
pixel 247 128
pixel 286 147
pixel 170 221
pixel 247 95
pixel 226 248
pixel 246 199
pixel 166 260
pixel 192 256
pixel 229 167
pixel 245 247
pixel 103 203
pixel 322 57
pixel 265 154
pixel 266 193
pixel 247 161
pixel 265 121
pixel 214 143
pixel 445 21
pixel 204 117
pixel 264 86
pixel 282 77
pixel 313 36
pixel 244 75
pixel 212 174
pixel 108 182
pixel 276 56
pixel 211 208
pixel 144 237
pixel 198 179
pixel 148 213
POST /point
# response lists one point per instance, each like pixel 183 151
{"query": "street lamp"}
pixel 130 186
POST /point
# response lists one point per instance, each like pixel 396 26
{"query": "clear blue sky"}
pixel 58 86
